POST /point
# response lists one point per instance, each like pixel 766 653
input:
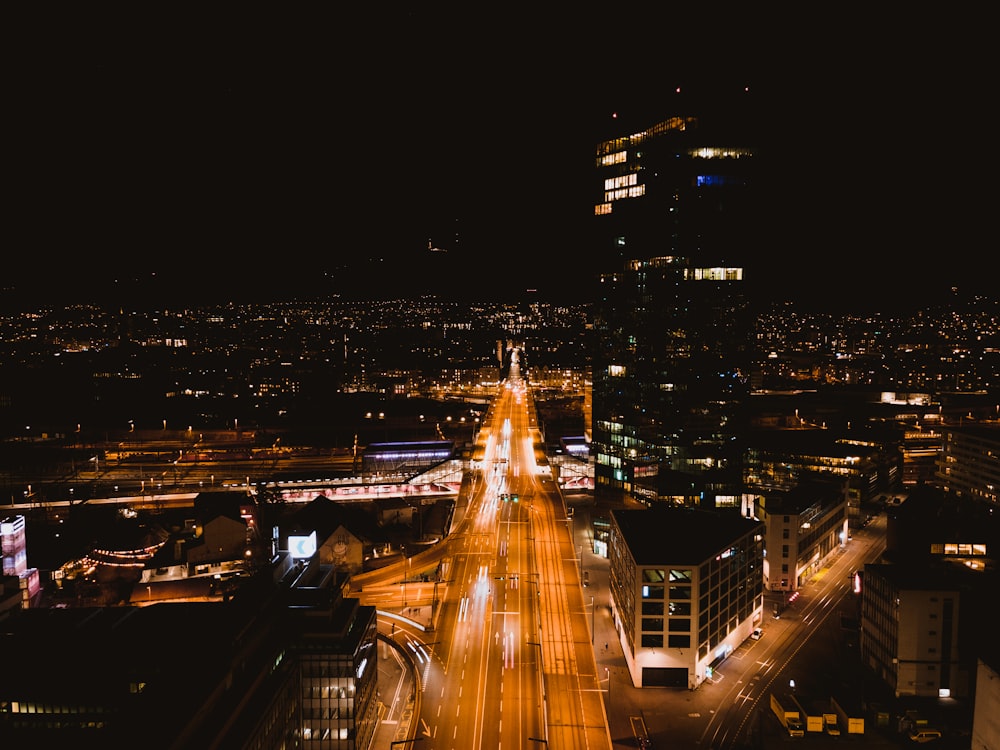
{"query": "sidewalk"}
pixel 397 695
pixel 656 713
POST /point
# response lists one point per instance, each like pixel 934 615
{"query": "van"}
pixel 923 734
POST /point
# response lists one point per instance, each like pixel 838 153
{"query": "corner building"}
pixel 675 217
pixel 686 590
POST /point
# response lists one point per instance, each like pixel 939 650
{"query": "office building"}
pixel 935 525
pixel 20 584
pixel 922 626
pixel 675 221
pixel 686 590
pixel 805 526
pixel 286 665
pixel 969 462
pixel 781 459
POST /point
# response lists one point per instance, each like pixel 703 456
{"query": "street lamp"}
pixel 402 549
pixel 607 674
pixel 592 626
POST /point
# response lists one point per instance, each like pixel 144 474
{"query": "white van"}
pixel 923 734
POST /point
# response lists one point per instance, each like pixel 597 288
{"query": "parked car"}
pixel 923 734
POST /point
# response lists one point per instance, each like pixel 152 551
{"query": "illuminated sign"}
pixel 302 546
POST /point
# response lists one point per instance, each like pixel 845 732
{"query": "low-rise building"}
pixel 686 590
pixel 805 525
pixel 921 624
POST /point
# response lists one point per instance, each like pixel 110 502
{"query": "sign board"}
pixel 300 547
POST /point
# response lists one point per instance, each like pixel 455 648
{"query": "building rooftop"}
pixel 667 534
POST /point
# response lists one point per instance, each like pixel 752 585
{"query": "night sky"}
pixel 266 154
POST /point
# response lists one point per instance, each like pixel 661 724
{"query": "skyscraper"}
pixel 675 219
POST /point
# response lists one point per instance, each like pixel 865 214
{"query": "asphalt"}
pixel 397 696
pixel 672 718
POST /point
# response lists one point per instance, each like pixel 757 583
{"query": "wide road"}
pixel 782 661
pixel 510 662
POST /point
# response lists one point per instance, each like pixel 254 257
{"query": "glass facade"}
pixel 675 218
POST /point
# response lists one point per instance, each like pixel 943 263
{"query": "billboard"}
pixel 300 547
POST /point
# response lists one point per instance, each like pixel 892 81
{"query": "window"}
pixel 654 608
pixel 680 608
pixel 652 641
pixel 652 592
pixel 680 592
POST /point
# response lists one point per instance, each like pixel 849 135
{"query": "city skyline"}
pixel 289 156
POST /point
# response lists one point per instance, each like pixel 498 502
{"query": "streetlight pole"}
pixel 607 672
pixel 541 680
pixel 403 550
pixel 592 621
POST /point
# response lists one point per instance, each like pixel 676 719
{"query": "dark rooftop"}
pixel 661 535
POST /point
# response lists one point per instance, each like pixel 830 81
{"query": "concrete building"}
pixel 288 661
pixel 986 716
pixel 921 626
pixel 969 463
pixel 686 590
pixel 805 526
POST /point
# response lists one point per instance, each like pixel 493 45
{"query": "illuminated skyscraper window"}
pixel 674 332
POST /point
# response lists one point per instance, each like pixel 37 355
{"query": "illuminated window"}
pixel 713 274
pixel 613 183
pixel 616 158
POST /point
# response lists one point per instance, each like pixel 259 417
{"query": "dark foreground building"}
pixel 281 666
